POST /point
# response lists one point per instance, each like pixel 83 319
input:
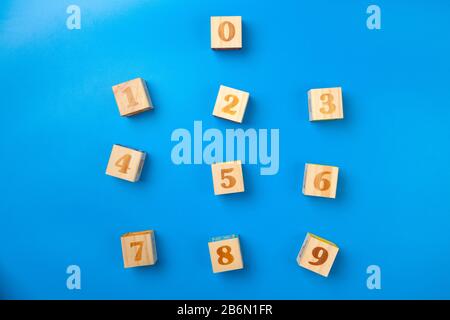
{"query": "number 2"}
pixel 124 163
pixel 140 245
pixel 320 183
pixel 228 108
pixel 327 99
pixel 231 179
pixel 320 254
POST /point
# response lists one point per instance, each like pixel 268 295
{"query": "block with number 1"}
pixel 317 254
pixel 139 249
pixel 132 97
pixel 125 163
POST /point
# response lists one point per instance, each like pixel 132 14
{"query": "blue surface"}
pixel 59 120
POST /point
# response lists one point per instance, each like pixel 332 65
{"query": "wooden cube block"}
pixel 320 180
pixel 132 97
pixel 227 177
pixel 325 104
pixel 231 104
pixel 225 253
pixel 125 163
pixel 317 255
pixel 139 249
pixel 226 32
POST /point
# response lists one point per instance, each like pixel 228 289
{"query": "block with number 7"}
pixel 139 249
pixel 317 255
pixel 125 163
pixel 227 177
pixel 320 180
pixel 225 253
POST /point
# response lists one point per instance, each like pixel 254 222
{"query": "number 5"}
pixel 231 180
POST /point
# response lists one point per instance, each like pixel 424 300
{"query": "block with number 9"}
pixel 325 104
pixel 139 249
pixel 317 255
pixel 320 180
pixel 125 163
pixel 227 177
pixel 132 97
pixel 225 253
pixel 231 104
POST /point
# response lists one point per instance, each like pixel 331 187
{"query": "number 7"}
pixel 140 245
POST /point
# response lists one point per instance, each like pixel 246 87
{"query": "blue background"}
pixel 59 120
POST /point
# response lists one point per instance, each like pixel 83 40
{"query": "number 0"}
pixel 231 31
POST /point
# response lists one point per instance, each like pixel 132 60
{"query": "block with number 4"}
pixel 125 163
pixel 317 255
pixel 325 104
pixel 320 180
pixel 231 104
pixel 227 177
pixel 132 97
pixel 225 253
pixel 139 249
pixel 226 32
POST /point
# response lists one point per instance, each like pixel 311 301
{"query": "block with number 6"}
pixel 320 180
pixel 227 177
pixel 317 255
pixel 231 104
pixel 226 32
pixel 125 163
pixel 325 104
pixel 132 97
pixel 139 249
pixel 225 253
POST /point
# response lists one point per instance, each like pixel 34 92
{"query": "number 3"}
pixel 327 99
pixel 231 179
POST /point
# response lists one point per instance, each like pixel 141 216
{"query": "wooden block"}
pixel 325 104
pixel 320 180
pixel 227 177
pixel 226 32
pixel 231 104
pixel 317 255
pixel 125 163
pixel 225 253
pixel 132 97
pixel 139 249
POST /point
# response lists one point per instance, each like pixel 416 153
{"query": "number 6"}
pixel 320 183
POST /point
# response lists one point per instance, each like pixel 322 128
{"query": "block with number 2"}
pixel 231 104
pixel 317 255
pixel 125 163
pixel 139 249
pixel 227 177
pixel 325 104
pixel 320 180
pixel 132 97
pixel 225 253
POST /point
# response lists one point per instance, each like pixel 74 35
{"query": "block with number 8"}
pixel 231 104
pixel 132 97
pixel 125 163
pixel 139 249
pixel 317 255
pixel 227 177
pixel 225 253
pixel 320 180
pixel 325 104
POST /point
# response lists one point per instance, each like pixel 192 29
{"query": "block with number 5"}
pixel 325 104
pixel 227 177
pixel 225 253
pixel 320 180
pixel 231 104
pixel 317 255
pixel 125 163
pixel 139 249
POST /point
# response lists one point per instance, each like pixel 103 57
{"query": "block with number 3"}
pixel 317 255
pixel 132 97
pixel 227 177
pixel 225 253
pixel 325 104
pixel 226 33
pixel 139 249
pixel 125 163
pixel 320 180
pixel 231 104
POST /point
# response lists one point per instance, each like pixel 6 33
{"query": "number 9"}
pixel 320 254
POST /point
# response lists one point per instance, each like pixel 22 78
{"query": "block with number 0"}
pixel 125 163
pixel 227 177
pixel 225 253
pixel 231 104
pixel 132 97
pixel 226 32
pixel 325 104
pixel 317 255
pixel 320 180
pixel 139 249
